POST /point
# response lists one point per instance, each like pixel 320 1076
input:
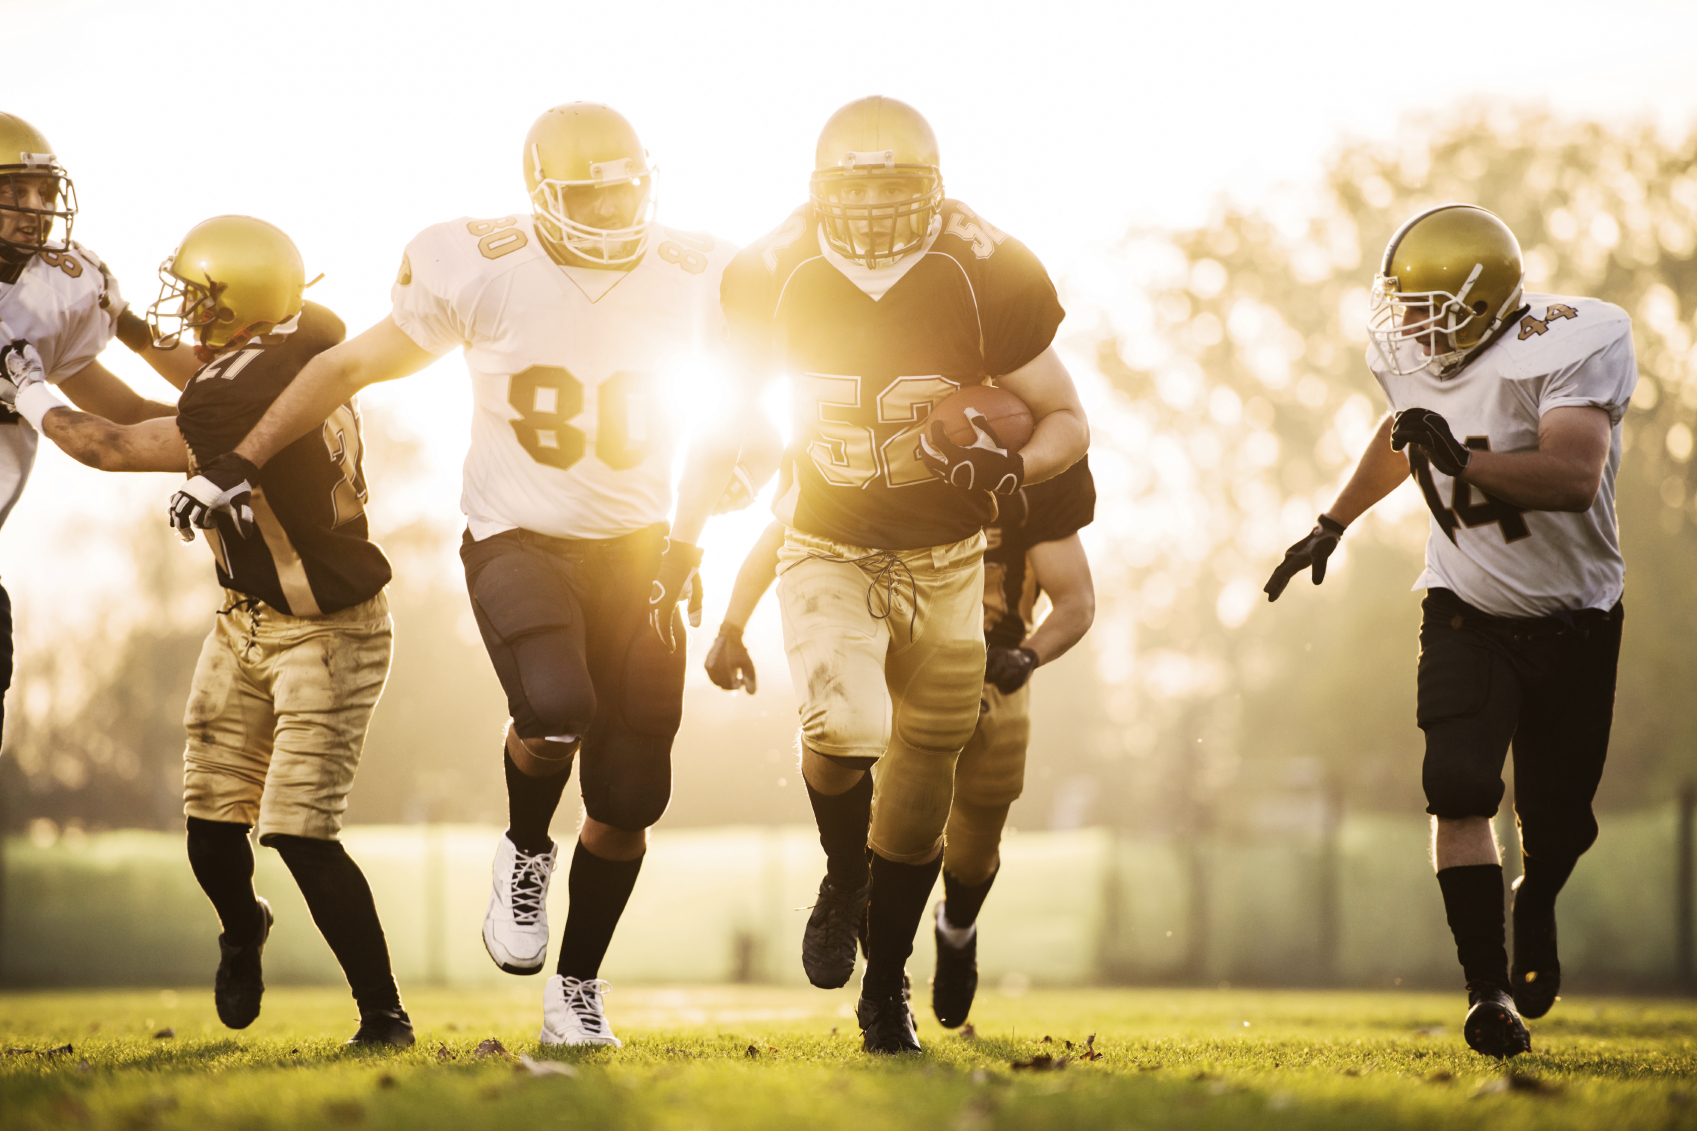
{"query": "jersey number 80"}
pixel 547 398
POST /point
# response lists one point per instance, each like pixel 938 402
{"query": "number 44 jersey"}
pixel 572 434
pixel 1510 562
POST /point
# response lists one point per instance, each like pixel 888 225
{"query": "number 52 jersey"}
pixel 1509 562
pixel 572 434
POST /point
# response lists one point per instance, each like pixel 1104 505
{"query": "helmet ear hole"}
pixel 1481 306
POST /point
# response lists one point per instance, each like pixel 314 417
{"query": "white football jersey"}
pixel 572 433
pixel 1495 556
pixel 67 307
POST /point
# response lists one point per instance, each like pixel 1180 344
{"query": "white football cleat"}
pixel 572 1013
pixel 515 928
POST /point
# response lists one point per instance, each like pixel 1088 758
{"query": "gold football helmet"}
pixel 573 150
pixel 1449 278
pixel 35 189
pixel 231 279
pixel 877 184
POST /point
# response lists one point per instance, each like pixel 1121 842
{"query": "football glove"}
pixel 728 662
pixel 1008 669
pixel 1312 551
pixel 1431 432
pixel 679 579
pixel 20 365
pixel 224 485
pixel 983 465
pixel 739 492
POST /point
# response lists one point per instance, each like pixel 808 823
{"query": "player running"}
pixel 878 298
pixel 1032 549
pixel 571 318
pixel 1509 407
pixel 297 658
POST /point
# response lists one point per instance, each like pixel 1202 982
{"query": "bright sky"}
pixel 354 125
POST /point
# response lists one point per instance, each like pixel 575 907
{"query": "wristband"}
pixel 132 330
pixel 1331 525
pixel 36 400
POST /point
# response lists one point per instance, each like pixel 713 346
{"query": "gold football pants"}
pixel 989 777
pixel 278 712
pixel 886 650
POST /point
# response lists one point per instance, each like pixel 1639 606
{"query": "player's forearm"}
pixel 317 391
pixel 1537 480
pixel 1060 440
pixel 1379 472
pixel 101 444
pixel 758 572
pixel 177 366
pixel 1068 620
pixel 711 463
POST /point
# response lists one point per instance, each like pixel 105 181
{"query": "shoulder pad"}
pixel 1554 324
pixel 961 223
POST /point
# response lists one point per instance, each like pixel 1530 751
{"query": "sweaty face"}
pixel 37 192
pixel 874 200
pixel 608 207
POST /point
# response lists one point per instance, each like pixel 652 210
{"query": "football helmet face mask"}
pixel 590 182
pixel 37 198
pixel 231 279
pixel 877 185
pixel 1449 278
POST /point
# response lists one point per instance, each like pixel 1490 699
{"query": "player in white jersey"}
pixel 1509 408
pixel 572 320
pixel 56 296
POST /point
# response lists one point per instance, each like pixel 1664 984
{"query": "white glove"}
pixel 23 380
pixel 223 486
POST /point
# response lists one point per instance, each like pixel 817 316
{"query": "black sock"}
pixel 340 901
pixel 599 890
pixel 531 802
pixel 962 902
pixel 1535 896
pixel 1473 901
pixel 843 819
pixel 899 892
pixel 222 861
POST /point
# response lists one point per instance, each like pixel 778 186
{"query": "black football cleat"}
pixel 384 1027
pixel 886 1023
pixel 1493 1025
pixel 833 931
pixel 1536 976
pixel 239 986
pixel 955 983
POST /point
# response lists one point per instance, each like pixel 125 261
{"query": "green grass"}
pixel 750 1057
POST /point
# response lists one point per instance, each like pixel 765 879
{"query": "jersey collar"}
pixel 877 283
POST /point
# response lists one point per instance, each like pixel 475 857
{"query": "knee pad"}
pixel 559 698
pixel 630 785
pixel 1454 791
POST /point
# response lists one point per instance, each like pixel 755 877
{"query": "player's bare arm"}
pixel 728 663
pixel 97 390
pixel 1062 435
pixel 1377 473
pixel 382 353
pixel 1565 471
pixel 1063 572
pixel 152 445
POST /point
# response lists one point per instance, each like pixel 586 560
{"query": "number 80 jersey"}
pixel 572 433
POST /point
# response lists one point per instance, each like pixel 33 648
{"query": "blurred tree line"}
pixel 1240 401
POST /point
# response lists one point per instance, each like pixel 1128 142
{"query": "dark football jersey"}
pixel 312 553
pixel 975 305
pixel 1043 512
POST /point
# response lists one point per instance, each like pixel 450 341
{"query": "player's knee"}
pixel 853 735
pixel 636 802
pixel 559 709
pixel 1557 835
pixel 1461 787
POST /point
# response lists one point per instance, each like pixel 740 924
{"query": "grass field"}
pixel 754 1057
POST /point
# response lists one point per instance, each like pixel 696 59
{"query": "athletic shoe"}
pixel 1493 1025
pixel 1536 976
pixel 238 986
pixel 515 928
pixel 956 980
pixel 572 1013
pixel 833 930
pixel 886 1023
pixel 384 1027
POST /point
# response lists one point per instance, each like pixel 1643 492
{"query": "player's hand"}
pixel 739 492
pixel 1431 433
pixel 983 465
pixel 728 662
pixel 679 579
pixel 1008 669
pixel 224 485
pixel 1311 552
pixel 20 366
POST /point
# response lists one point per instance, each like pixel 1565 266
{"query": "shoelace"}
pixel 885 568
pixel 584 1000
pixel 530 870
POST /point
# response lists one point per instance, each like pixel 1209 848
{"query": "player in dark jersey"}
pixel 878 298
pixel 298 656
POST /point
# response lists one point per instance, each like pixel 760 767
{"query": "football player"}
pixel 298 656
pixel 1506 407
pixel 58 300
pixel 1031 549
pixel 879 297
pixel 571 317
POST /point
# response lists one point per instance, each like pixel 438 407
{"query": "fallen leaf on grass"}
pixel 490 1047
pixel 1089 1052
pixel 544 1067
pixel 165 1034
pixel 443 1052
pixel 1441 1076
pixel 752 1051
pixel 1042 1062
pixel 968 1033
pixel 1047 1040
pixel 61 1050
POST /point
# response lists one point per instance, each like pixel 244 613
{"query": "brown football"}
pixel 1006 414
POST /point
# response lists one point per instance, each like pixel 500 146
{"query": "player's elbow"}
pixel 1579 490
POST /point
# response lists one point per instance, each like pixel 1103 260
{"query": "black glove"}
pixel 983 465
pixel 728 662
pixel 1432 433
pixel 225 484
pixel 679 578
pixel 1311 551
pixel 1007 669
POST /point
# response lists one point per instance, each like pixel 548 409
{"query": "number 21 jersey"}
pixel 571 434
